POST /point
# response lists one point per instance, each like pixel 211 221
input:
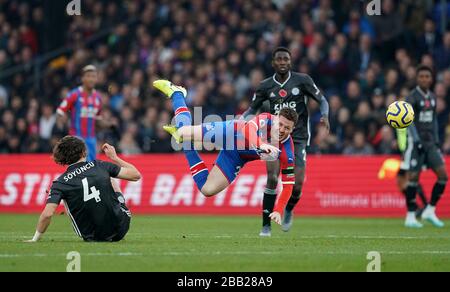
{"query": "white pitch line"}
pixel 121 254
pixel 66 235
pixel 372 237
pixel 301 237
pixel 249 236
pixel 216 253
pixel 304 253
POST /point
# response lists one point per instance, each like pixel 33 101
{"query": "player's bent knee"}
pixel 272 181
pixel 208 191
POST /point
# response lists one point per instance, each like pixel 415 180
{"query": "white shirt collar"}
pixel 426 95
pixel 284 83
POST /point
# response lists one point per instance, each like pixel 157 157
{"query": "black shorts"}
pixel 121 225
pixel 123 228
pixel 300 154
pixel 415 159
pixel 124 219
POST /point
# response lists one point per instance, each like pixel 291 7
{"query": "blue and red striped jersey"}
pixel 84 111
pixel 256 133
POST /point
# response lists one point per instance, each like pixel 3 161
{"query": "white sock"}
pixel 430 209
pixel 411 216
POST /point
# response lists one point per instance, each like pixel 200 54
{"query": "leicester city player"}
pixel 287 89
pixel 423 149
pixel 92 199
pixel 403 172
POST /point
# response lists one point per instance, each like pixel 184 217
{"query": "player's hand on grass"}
pixel 275 216
pixel 269 149
pixel 326 123
pixel 110 151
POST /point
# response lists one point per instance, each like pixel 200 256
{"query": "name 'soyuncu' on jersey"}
pixel 78 171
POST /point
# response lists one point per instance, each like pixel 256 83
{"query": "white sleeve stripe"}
pixel 60 111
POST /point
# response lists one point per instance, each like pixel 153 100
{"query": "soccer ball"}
pixel 400 115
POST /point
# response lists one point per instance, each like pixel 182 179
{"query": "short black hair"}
pixel 289 114
pixel 69 150
pixel 424 68
pixel 280 49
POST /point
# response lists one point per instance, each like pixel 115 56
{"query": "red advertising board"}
pixel 335 186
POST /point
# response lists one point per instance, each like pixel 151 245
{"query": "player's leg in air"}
pixel 300 165
pixel 209 183
pixel 436 162
pixel 270 196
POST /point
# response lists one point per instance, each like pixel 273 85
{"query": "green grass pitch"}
pixel 189 243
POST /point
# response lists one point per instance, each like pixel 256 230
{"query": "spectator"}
pixel 3 141
pixel 128 145
pixel 333 70
pixel 388 29
pixel 443 53
pixel 386 141
pixel 364 26
pixel 360 58
pixel 46 122
pixel 353 96
pixel 429 41
pixel 220 52
pixel 359 146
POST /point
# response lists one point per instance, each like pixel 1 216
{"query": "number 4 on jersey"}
pixel 95 194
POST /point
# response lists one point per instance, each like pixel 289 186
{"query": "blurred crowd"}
pixel 220 50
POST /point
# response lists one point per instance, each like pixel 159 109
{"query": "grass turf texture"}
pixel 184 243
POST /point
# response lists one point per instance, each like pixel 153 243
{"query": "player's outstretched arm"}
pixel 281 203
pixel 44 221
pixel 324 110
pixel 250 133
pixel 314 92
pixel 128 171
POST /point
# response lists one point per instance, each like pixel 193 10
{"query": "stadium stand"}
pixel 220 50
